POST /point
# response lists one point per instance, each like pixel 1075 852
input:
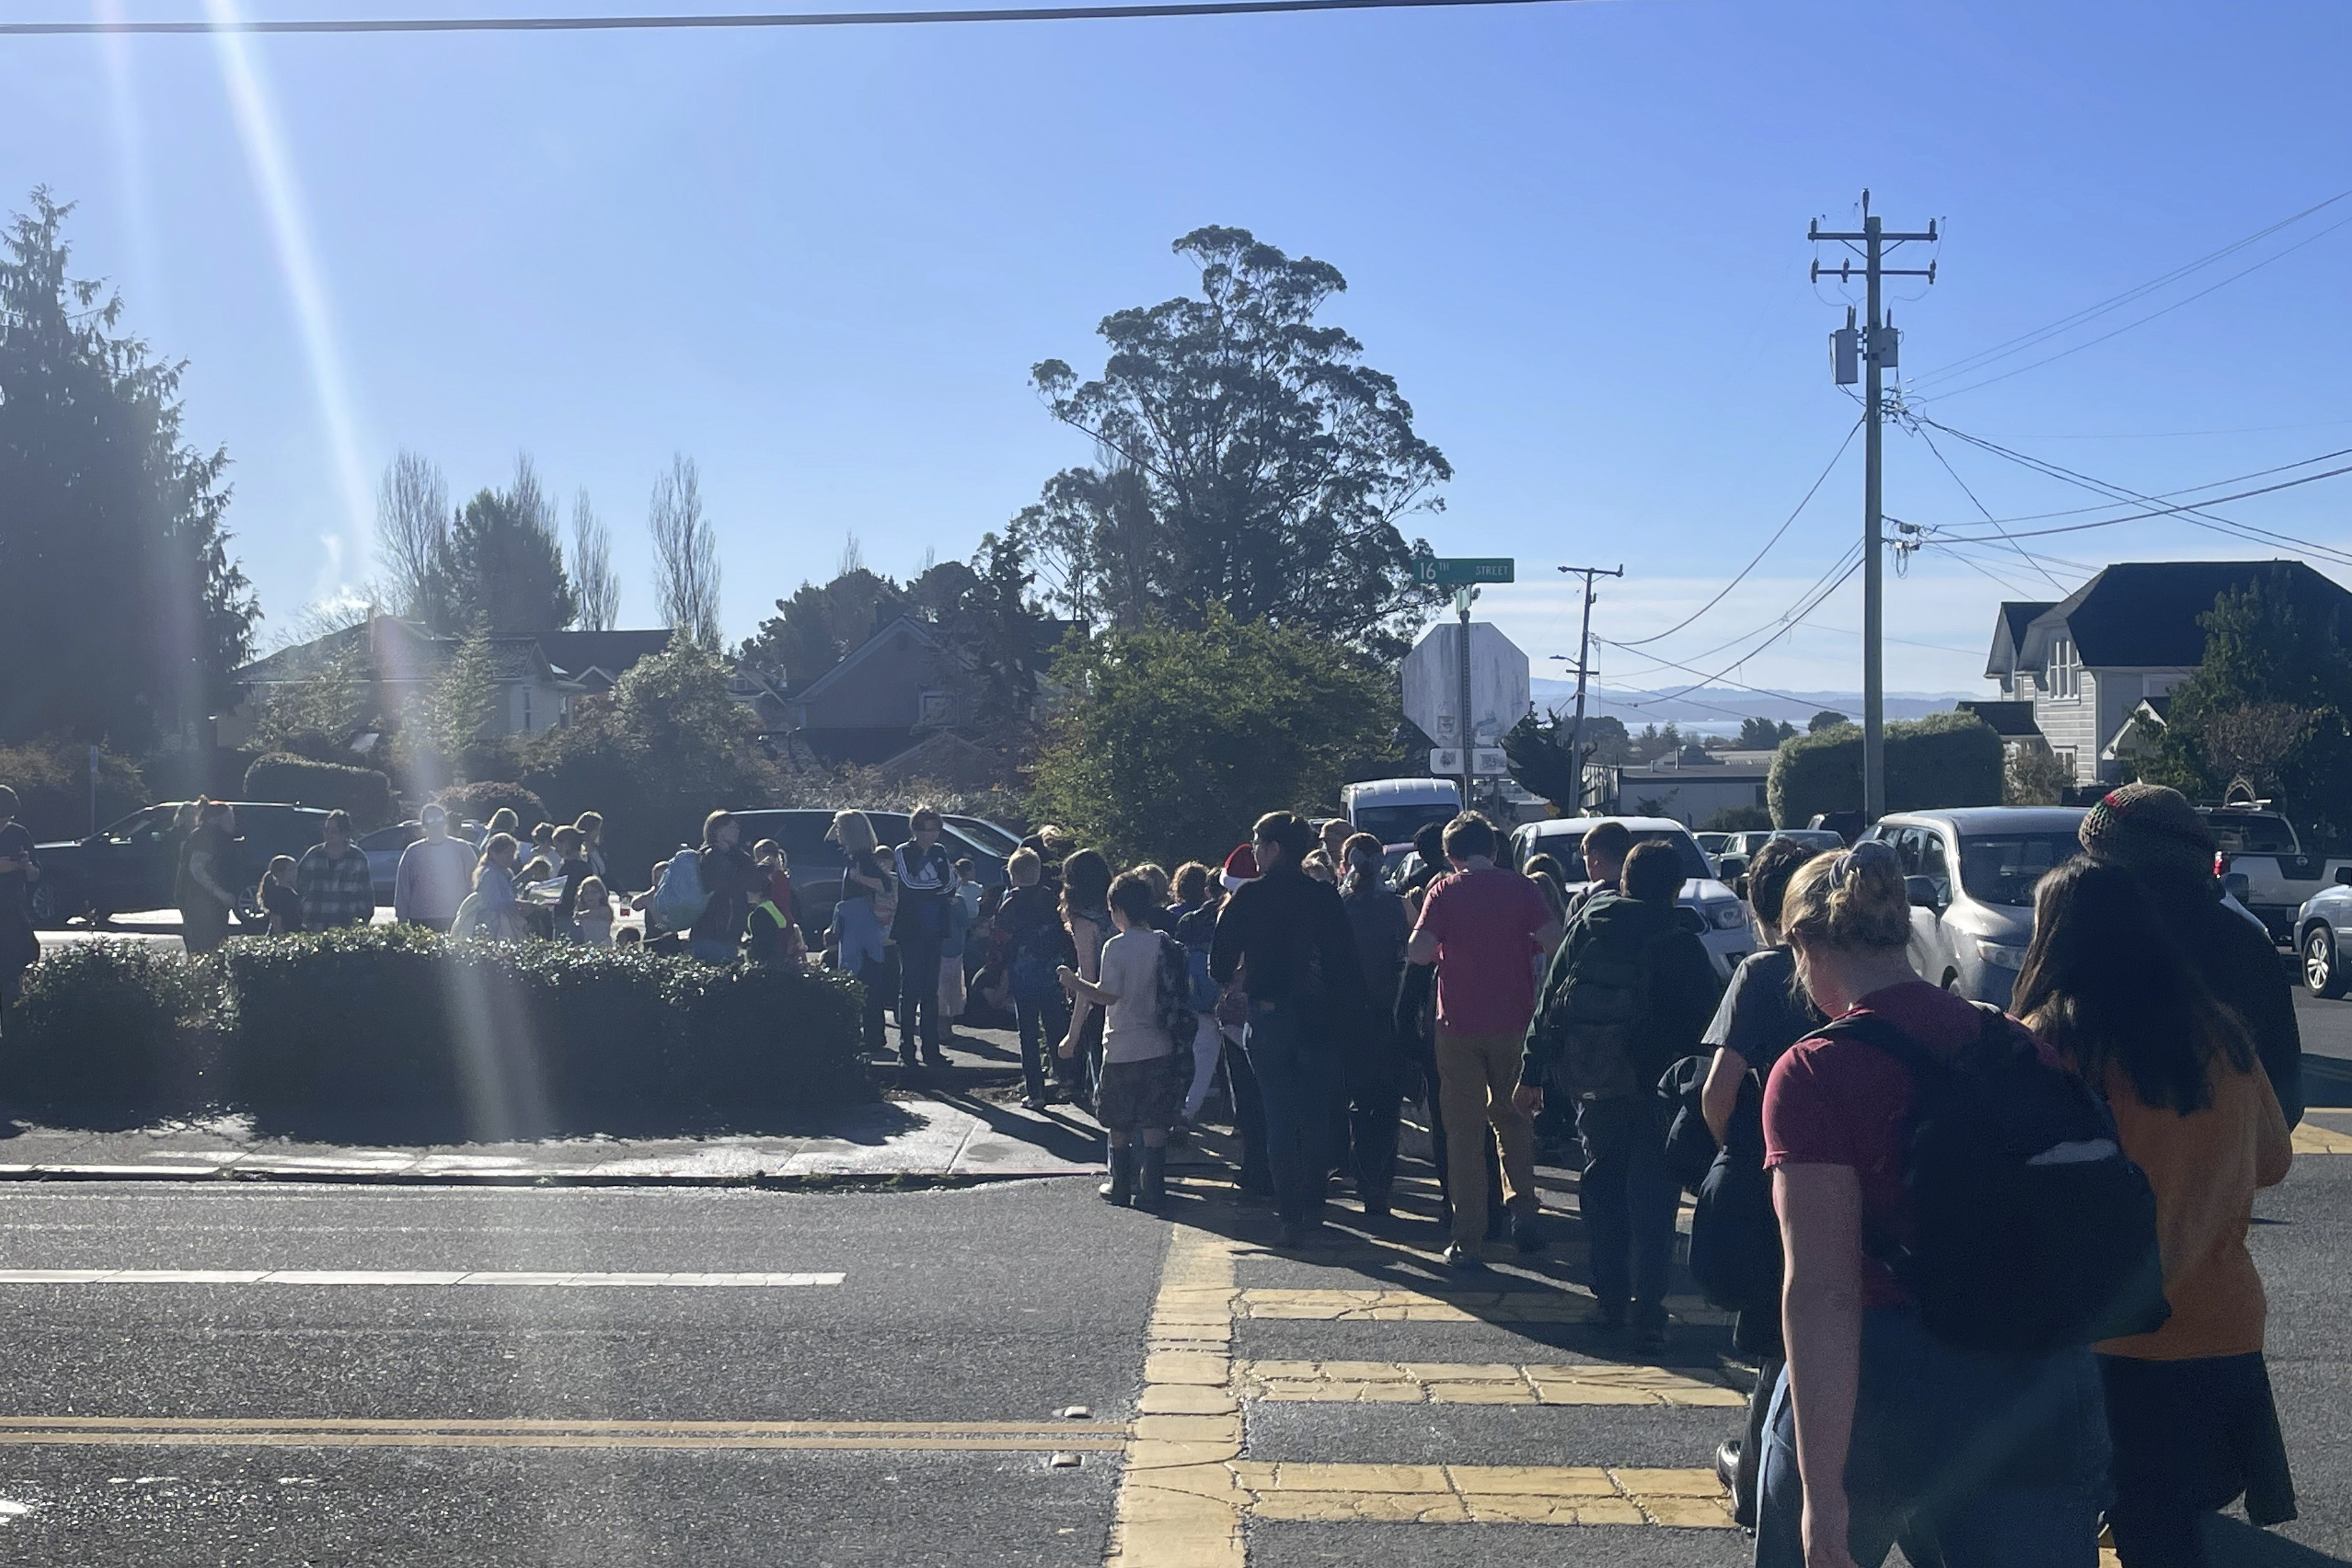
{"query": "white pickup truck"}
pixel 2261 845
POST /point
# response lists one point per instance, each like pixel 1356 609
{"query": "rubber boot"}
pixel 1152 1180
pixel 1120 1188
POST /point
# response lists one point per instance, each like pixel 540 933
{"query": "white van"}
pixel 1393 809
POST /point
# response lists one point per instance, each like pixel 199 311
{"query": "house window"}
pixel 2066 676
pixel 934 708
pixel 526 710
pixel 2065 755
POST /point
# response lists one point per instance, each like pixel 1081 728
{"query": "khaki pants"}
pixel 1476 1074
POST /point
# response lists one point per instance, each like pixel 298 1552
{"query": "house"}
pixel 398 661
pixel 2012 721
pixel 2085 664
pixel 890 692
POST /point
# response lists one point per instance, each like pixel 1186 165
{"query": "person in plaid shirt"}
pixel 332 878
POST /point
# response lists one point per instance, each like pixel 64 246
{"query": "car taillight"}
pixel 2220 863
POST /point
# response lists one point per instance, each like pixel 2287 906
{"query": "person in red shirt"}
pixel 1880 1431
pixel 1483 926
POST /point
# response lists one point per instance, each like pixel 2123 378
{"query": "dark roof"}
pixel 2010 721
pixel 2009 633
pixel 611 651
pixel 2145 613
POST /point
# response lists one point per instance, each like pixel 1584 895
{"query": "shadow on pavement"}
pixel 2234 1543
pixel 2327 1080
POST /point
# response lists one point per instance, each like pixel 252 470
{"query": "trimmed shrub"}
pixel 1942 759
pixel 51 779
pixel 365 793
pixel 401 1034
pixel 477 802
pixel 112 1034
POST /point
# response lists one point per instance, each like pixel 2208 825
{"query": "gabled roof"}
pixel 863 651
pixel 2009 633
pixel 576 653
pixel 399 650
pixel 2144 614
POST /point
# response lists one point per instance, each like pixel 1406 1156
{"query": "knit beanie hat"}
pixel 2150 830
pixel 1241 866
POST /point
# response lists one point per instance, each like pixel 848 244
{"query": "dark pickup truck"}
pixel 135 863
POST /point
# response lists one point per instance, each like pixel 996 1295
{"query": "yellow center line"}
pixel 352 1432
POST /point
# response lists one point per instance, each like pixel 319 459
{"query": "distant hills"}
pixel 1711 708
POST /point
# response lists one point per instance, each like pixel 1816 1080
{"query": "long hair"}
pixel 853 833
pixel 2106 982
pixel 1086 884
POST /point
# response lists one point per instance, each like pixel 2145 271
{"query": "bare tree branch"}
pixel 686 554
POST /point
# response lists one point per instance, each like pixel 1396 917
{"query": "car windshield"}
pixel 2003 868
pixel 985 833
pixel 1397 824
pixel 2251 835
pixel 1569 853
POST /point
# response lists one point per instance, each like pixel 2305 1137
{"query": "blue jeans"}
pixel 1628 1197
pixel 1968 1459
pixel 1296 1079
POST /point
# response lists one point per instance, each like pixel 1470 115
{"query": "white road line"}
pixel 402 1277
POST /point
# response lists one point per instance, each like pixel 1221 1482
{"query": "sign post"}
pixel 1461 573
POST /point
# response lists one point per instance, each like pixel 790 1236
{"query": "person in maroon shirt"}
pixel 1482 927
pixel 1879 1431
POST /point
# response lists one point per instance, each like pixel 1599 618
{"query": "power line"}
pixel 2144 320
pixel 766 20
pixel 1980 507
pixel 2025 341
pixel 1785 524
pixel 2153 495
pixel 2187 513
pixel 1713 679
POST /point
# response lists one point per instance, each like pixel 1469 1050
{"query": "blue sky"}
pixel 822 262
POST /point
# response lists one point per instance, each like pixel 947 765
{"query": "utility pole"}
pixel 1876 344
pixel 1468 727
pixel 1583 669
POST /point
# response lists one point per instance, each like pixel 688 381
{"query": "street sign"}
pixel 1458 570
pixel 1485 761
pixel 1499 694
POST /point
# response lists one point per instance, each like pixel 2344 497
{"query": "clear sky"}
pixel 823 262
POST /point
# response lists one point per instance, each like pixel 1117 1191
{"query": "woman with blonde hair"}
pixel 861 918
pixel 493 909
pixel 1882 1430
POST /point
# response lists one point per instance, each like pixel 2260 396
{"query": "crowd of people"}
pixel 1992 1265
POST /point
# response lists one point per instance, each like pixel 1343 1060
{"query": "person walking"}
pixel 1429 858
pixel 728 881
pixel 333 879
pixel 2155 833
pixel 1085 917
pixel 954 942
pixel 1629 994
pixel 1145 1009
pixel 1763 1013
pixel 1483 927
pixel 1605 848
pixel 1331 836
pixel 1880 1429
pixel 435 873
pixel 1287 936
pixel 1028 931
pixel 494 909
pixel 862 916
pixel 924 874
pixel 20 868
pixel 592 844
pixel 1229 1005
pixel 572 867
pixel 1371 1086
pixel 2189 1409
pixel 279 900
pixel 202 891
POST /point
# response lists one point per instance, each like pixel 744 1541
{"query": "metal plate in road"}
pixel 1455 570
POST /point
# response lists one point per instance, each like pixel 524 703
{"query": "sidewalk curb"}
pixel 814 1181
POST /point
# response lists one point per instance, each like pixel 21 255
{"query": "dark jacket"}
pixel 1683 990
pixel 1287 930
pixel 2243 966
pixel 728 876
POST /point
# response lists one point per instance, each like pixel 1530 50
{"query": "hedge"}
pixel 398 1034
pixel 479 802
pixel 365 793
pixel 1942 759
pixel 113 1034
pixel 51 779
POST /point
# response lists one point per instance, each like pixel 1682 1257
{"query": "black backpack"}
pixel 2033 1232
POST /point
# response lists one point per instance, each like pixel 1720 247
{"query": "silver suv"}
pixel 1971 874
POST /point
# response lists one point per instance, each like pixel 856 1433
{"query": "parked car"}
pixel 1713 843
pixel 384 847
pixel 134 864
pixel 817 864
pixel 2323 928
pixel 1708 907
pixel 994 837
pixel 2261 845
pixel 1971 874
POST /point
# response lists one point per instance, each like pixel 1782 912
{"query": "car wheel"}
pixel 2322 976
pixel 1952 981
pixel 49 905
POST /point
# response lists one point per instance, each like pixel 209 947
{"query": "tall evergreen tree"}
pixel 125 616
pixel 506 562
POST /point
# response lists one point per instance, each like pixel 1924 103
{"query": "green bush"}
pixel 1942 759
pixel 401 1034
pixel 477 802
pixel 365 793
pixel 51 779
pixel 112 1034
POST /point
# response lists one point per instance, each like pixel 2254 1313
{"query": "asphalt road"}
pixel 1009 1303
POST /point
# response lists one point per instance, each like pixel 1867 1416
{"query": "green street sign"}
pixel 1457 570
